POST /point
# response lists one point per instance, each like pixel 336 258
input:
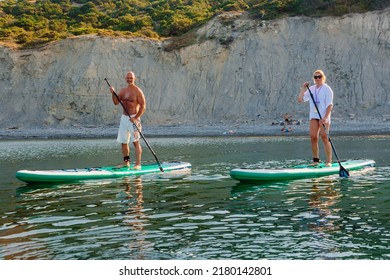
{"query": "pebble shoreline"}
pixel 343 128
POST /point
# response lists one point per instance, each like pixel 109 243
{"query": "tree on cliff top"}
pixel 30 23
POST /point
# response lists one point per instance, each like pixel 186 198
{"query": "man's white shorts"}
pixel 127 130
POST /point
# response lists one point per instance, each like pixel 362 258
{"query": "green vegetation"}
pixel 28 23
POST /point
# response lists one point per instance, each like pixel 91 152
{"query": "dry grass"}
pixel 187 39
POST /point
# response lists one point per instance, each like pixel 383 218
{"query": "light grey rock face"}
pixel 236 69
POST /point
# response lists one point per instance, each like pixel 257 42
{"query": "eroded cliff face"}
pixel 236 69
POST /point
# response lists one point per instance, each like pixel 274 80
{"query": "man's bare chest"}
pixel 129 97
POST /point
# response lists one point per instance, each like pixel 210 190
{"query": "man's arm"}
pixel 114 98
pixel 142 104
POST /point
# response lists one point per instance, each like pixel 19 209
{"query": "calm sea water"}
pixel 203 214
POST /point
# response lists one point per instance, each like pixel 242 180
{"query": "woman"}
pixel 323 97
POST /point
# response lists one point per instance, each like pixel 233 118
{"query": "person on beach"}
pixel 323 97
pixel 133 100
pixel 287 121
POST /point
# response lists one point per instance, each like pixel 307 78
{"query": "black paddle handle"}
pixel 315 104
pixel 117 97
pixel 142 135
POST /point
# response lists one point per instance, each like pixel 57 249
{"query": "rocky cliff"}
pixel 231 69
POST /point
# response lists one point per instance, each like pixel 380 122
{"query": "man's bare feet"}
pixel 137 167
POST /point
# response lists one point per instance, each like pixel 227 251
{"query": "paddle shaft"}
pixel 142 135
pixel 319 114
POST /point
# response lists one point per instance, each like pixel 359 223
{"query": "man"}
pixel 133 100
pixel 323 97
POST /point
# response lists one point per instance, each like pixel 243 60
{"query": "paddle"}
pixel 343 172
pixel 142 135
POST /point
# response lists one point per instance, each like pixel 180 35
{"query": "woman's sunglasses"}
pixel 317 77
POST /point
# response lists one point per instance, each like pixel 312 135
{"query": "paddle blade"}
pixel 343 172
pixel 161 169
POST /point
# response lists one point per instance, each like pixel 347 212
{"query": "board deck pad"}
pixel 298 171
pixel 105 172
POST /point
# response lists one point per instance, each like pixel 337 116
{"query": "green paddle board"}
pixel 105 172
pixel 297 172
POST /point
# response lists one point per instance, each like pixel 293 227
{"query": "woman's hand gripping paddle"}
pixel 142 135
pixel 342 172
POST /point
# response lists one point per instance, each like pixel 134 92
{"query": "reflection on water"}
pixel 199 215
pixel 134 216
pixel 322 201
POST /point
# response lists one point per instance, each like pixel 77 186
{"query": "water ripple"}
pixel 202 215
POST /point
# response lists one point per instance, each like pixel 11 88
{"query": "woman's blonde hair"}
pixel 322 74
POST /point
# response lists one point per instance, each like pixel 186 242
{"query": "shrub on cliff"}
pixel 158 18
